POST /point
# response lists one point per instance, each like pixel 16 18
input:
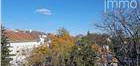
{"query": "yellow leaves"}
pixel 41 49
pixel 61 41
pixel 38 54
pixel 97 48
pixel 60 45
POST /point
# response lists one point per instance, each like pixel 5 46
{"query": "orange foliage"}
pixel 97 48
pixel 60 45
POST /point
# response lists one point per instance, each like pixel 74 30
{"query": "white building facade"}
pixel 22 49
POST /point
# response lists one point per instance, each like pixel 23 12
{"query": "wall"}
pixel 20 49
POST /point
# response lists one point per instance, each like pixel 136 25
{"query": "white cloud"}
pixel 44 11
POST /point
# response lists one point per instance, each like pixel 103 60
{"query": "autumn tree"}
pixel 58 49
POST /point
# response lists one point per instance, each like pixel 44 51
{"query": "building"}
pixel 22 42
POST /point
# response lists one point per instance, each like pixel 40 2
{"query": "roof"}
pixel 22 36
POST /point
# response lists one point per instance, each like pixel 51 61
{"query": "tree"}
pixel 123 27
pixel 99 39
pixel 82 54
pixel 62 32
pixel 5 52
pixel 59 48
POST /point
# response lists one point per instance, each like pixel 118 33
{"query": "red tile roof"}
pixel 22 36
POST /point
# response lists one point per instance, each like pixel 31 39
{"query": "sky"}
pixel 77 16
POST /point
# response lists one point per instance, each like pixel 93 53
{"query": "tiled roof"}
pixel 22 36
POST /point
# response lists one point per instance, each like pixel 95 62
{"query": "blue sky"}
pixel 77 16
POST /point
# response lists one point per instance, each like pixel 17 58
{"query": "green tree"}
pixel 5 52
pixel 82 54
pixel 62 32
